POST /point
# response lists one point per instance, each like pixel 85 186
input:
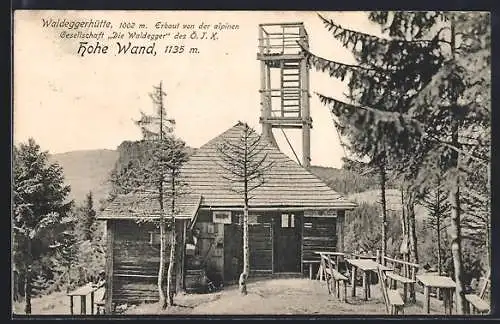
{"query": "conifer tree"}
pixel 417 93
pixel 39 208
pixel 157 174
pixel 246 162
pixel 439 208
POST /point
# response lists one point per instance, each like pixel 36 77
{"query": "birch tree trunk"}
pixel 246 255
pixel 171 267
pixel 161 271
pixel 383 181
pixel 456 248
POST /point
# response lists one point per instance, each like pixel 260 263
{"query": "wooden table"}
pixel 83 292
pixel 366 266
pixel 446 284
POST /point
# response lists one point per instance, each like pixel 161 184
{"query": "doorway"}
pixel 287 238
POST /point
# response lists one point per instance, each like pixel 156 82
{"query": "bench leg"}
pixel 337 288
pixel 345 291
pixel 353 282
pixel 412 293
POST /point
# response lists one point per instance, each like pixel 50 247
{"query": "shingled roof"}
pixel 287 184
pixel 142 205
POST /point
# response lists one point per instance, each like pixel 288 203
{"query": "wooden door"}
pixel 287 238
pixel 233 253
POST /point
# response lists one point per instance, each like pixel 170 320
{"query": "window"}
pixel 287 220
pixel 222 217
pixel 253 219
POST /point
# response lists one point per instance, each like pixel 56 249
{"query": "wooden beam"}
pixel 340 230
pixel 110 235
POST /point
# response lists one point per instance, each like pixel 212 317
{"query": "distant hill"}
pixel 344 181
pixel 393 198
pixel 87 171
pixel 361 188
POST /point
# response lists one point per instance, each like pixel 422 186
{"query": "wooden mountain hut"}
pixel 292 215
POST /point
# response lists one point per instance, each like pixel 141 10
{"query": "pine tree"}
pixel 39 196
pixel 415 95
pixel 436 201
pixel 157 173
pixel 87 218
pixel 246 163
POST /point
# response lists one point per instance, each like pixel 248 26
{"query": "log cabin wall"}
pixel 136 259
pixel 210 247
pixel 220 245
pixel 319 234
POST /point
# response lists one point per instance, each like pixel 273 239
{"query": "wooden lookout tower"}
pixel 285 83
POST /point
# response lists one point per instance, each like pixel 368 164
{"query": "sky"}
pixel 67 102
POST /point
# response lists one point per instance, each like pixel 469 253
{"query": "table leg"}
pixel 446 302
pixel 353 282
pixel 427 300
pixel 83 303
pixel 71 304
pixel 365 289
pixel 92 303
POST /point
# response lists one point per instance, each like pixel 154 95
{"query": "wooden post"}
pixel 340 230
pixel 304 98
pixel 310 270
pixel 83 304
pixel 427 300
pixel 110 235
pixel 378 256
pixel 179 252
pixel 413 294
pixel 71 304
pixel 365 289
pixel 353 283
pixel 92 302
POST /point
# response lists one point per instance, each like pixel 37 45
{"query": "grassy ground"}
pixel 265 297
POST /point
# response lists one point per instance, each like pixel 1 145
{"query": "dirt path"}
pixel 265 297
pixel 283 297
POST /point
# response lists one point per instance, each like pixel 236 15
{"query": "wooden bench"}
pixel 394 278
pixel 476 302
pixel 393 301
pixel 477 305
pixel 407 276
pixel 83 292
pixel 333 275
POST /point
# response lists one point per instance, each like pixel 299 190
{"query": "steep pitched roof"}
pixel 287 184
